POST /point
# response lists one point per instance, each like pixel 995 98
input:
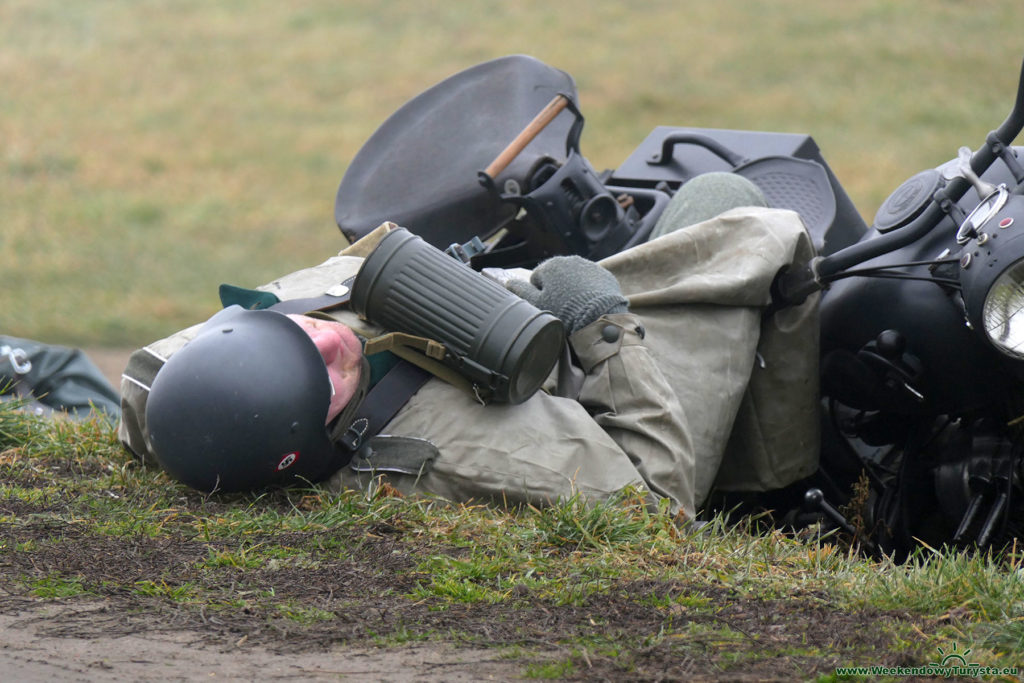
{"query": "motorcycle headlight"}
pixel 1002 313
pixel 992 277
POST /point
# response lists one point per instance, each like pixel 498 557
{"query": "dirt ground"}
pixel 371 629
pixel 368 627
pixel 116 640
pixel 91 641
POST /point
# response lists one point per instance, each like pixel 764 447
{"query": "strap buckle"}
pixel 17 358
pixel 353 436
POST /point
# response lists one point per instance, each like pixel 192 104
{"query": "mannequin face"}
pixel 342 354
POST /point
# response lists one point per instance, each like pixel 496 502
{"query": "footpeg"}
pixel 814 501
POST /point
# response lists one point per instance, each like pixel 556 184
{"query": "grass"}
pixel 616 583
pixel 152 151
pixel 50 588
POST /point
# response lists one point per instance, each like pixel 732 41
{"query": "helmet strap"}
pixel 341 424
pixel 380 404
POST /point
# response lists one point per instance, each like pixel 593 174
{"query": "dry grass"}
pixel 153 150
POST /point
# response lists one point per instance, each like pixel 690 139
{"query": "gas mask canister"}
pixel 503 345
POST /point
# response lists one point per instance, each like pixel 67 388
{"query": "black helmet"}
pixel 243 405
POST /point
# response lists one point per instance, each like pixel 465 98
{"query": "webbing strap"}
pixel 381 404
pixel 325 302
pixel 394 340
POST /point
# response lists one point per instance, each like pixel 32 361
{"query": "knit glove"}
pixel 575 290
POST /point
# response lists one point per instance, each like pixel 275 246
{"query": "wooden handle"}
pixel 539 123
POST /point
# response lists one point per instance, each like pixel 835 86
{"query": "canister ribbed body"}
pixel 406 285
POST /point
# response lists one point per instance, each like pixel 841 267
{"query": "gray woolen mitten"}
pixel 575 290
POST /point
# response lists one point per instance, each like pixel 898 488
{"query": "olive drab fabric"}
pixel 625 429
pixel 694 387
pixel 748 383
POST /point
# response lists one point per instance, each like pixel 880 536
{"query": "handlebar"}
pixel 792 287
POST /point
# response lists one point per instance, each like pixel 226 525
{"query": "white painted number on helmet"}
pixel 287 461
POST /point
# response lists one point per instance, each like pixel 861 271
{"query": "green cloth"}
pixel 249 299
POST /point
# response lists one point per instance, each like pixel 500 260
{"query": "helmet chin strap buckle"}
pixel 364 418
pixel 353 436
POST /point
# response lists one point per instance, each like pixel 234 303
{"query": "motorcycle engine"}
pixel 978 479
pixel 957 482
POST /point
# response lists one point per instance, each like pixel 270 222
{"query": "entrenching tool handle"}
pixel 539 123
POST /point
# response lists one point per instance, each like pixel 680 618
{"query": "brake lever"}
pixel 964 170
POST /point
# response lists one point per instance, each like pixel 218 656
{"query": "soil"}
pixel 372 630
pixel 88 641
pixel 363 625
pixel 123 640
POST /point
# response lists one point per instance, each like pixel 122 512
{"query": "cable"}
pixel 881 272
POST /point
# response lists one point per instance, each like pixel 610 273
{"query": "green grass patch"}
pixel 572 590
pixel 556 670
pixel 401 636
pixel 162 589
pixel 304 615
pixel 56 588
pixel 245 557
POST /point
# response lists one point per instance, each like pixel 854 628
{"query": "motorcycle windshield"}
pixel 419 169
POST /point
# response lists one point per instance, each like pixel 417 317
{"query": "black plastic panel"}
pixel 690 160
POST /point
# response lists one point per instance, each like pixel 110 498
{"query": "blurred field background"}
pixel 151 150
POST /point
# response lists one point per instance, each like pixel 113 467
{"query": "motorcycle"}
pixel 922 313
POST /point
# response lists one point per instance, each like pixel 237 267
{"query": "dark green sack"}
pixel 54 379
